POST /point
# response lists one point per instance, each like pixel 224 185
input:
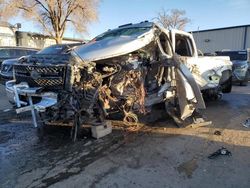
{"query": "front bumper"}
pixel 16 92
pixel 239 74
pixel 6 77
pixel 6 72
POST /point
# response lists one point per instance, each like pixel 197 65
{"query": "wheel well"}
pixel 226 75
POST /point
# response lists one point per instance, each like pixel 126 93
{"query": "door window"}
pixel 183 46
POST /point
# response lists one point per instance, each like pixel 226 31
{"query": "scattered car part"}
pixel 100 131
pixel 246 123
pixel 199 122
pixel 218 133
pixel 219 152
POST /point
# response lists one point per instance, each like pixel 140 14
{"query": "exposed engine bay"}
pixel 72 90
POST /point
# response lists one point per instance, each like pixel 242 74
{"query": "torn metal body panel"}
pixel 120 74
pixel 208 71
pixel 212 74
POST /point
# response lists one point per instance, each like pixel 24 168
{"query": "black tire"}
pixel 248 75
pixel 245 82
pixel 227 87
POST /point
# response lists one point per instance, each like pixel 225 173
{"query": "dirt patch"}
pixel 188 167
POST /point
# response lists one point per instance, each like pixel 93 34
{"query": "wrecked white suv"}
pixel 121 72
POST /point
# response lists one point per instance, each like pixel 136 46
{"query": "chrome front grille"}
pixel 49 77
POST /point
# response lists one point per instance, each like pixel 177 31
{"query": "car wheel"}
pixel 227 87
pixel 245 82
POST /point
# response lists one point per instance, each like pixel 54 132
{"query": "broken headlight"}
pixel 214 78
pixel 243 66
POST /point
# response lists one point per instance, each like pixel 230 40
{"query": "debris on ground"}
pixel 199 122
pixel 222 151
pixel 100 131
pixel 246 123
pixel 218 133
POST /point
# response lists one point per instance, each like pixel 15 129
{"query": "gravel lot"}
pixel 151 155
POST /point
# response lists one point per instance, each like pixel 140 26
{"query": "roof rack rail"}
pixel 124 25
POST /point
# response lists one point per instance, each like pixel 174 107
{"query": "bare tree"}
pixel 175 20
pixel 54 16
pixel 6 10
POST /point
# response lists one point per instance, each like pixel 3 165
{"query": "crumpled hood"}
pixel 112 47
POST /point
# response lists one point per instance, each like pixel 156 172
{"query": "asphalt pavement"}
pixel 156 154
pixel 4 104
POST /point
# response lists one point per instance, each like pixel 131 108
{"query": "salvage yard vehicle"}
pixel 241 67
pixel 213 74
pixel 11 52
pixel 122 72
pixel 7 65
pixel 10 55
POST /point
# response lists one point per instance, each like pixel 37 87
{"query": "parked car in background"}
pixel 12 52
pixel 240 60
pixel 10 55
pixel 7 65
pixel 59 49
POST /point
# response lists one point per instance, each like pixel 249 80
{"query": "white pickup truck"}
pixel 213 74
pixel 124 71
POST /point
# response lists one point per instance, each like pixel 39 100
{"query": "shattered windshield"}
pixel 122 32
pixel 241 56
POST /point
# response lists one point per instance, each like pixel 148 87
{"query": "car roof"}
pixel 19 47
pixel 141 24
pixel 67 44
pixel 130 25
pixel 244 52
pixel 232 51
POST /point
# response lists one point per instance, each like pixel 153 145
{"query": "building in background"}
pixel 11 36
pixel 233 38
pixel 36 40
pixel 7 34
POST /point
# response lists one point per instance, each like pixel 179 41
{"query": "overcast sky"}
pixel 204 14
